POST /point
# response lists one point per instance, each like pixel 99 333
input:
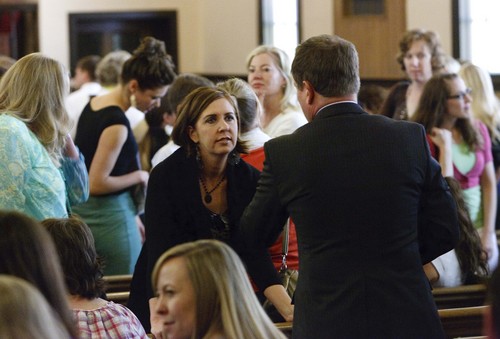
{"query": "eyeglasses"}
pixel 461 95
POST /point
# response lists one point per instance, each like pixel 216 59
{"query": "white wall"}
pixel 214 36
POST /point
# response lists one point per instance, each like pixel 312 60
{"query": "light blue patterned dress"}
pixel 29 180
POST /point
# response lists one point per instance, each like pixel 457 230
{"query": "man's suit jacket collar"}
pixel 339 109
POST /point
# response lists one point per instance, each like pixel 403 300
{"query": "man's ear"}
pixel 308 87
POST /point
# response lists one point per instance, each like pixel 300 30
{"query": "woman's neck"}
pixel 213 167
pixel 416 86
pixel 77 302
pixel 413 95
pixel 115 97
pixel 457 136
pixel 448 123
pixel 272 108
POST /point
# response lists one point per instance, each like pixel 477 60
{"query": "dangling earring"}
pixel 198 158
pixel 133 101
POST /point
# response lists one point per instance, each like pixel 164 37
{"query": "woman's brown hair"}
pixel 433 105
pixel 432 41
pixel 81 265
pixel 190 111
pixel 150 65
pixel 28 252
pixel 470 254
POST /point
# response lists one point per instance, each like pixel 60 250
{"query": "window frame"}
pixel 261 21
pixel 457 31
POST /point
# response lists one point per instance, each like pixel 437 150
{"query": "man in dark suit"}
pixel 369 204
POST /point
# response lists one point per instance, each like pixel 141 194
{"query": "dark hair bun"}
pixel 151 48
pixel 150 65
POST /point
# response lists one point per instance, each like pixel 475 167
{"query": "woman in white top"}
pixel 269 75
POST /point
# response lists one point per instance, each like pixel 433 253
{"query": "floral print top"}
pixel 29 180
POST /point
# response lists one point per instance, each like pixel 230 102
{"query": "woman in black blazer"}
pixel 200 192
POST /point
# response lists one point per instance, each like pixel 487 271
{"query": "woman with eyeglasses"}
pixel 462 146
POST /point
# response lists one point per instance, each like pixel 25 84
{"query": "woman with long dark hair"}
pixel 463 148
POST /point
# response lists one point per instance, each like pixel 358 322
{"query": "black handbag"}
pixel 288 277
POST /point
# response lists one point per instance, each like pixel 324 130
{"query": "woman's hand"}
pixel 143 177
pixel 487 240
pixel 443 139
pixel 431 273
pixel 281 300
pixel 70 150
pixel 141 228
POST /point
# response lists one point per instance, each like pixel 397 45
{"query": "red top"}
pixel 256 159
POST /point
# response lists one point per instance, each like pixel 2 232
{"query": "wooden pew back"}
pixel 457 322
pixel 462 296
pixel 118 283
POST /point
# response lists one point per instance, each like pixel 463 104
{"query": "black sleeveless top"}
pixel 90 127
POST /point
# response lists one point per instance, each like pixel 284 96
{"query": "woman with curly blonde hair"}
pixel 420 56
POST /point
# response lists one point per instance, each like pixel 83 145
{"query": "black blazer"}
pixel 370 207
pixel 175 214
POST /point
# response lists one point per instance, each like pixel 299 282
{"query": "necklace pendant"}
pixel 208 198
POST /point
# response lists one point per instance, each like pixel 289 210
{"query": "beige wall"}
pixel 435 15
pixel 214 36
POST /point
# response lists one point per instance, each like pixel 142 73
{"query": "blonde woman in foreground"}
pixel 204 292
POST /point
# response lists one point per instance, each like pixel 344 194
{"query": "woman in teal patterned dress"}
pixel 41 170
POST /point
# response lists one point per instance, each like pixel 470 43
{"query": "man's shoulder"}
pixel 386 122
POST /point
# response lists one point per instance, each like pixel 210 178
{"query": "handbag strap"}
pixel 284 245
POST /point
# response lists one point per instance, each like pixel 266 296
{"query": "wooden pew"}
pixel 118 283
pixel 118 288
pixel 462 296
pixel 118 297
pixel 285 327
pixel 457 322
pixel 462 322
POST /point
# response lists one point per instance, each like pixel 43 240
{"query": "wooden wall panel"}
pixel 376 37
